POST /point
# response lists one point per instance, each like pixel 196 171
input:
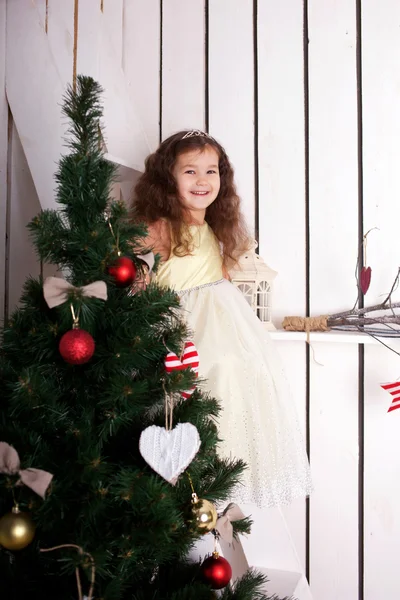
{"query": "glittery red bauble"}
pixel 216 571
pixel 76 347
pixel 123 271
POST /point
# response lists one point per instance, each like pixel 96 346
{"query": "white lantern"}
pixel 255 279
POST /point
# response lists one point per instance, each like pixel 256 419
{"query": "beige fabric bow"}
pixel 224 523
pixel 55 290
pixel 36 479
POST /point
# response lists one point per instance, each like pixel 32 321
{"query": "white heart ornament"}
pixel 169 453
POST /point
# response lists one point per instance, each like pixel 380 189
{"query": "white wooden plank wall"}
pixel 60 27
pixel 231 90
pixel 382 488
pixel 89 24
pixel 24 205
pixel 113 16
pixel 141 57
pixel 37 117
pixel 288 114
pixel 334 460
pixel 281 197
pixel 381 159
pixel 333 222
pixel 183 66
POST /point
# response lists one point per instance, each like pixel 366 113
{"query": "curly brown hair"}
pixel 155 196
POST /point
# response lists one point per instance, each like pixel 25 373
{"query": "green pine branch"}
pixel 83 423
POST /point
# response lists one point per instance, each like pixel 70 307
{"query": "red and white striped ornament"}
pixel 394 391
pixel 188 360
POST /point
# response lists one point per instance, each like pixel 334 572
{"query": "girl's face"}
pixel 197 179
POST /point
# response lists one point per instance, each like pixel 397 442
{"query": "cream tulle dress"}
pixel 238 360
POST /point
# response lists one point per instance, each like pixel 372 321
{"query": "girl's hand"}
pixel 142 281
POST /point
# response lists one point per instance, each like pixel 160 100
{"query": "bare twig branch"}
pixel 395 284
pixel 362 321
pixel 380 341
pixel 366 309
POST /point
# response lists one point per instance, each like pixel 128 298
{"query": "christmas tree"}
pixel 83 375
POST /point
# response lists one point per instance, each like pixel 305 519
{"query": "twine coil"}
pixel 306 324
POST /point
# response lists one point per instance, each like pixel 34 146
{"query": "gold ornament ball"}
pixel 205 515
pixel 17 530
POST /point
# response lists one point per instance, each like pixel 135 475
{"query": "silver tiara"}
pixel 196 132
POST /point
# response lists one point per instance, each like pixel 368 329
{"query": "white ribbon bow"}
pixel 55 290
pixel 224 523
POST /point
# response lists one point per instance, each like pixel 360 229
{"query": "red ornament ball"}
pixel 216 571
pixel 123 271
pixel 76 347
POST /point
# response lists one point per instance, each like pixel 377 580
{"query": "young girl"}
pixel 188 199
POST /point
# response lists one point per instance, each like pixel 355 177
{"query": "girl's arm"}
pixel 225 273
pixel 159 238
pixel 159 241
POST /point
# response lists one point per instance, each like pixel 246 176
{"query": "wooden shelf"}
pixel 341 337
